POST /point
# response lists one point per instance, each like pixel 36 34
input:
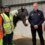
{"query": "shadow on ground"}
pixel 24 41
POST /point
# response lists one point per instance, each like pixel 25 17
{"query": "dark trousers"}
pixel 40 33
pixel 7 40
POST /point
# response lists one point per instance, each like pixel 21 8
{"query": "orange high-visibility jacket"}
pixel 1 29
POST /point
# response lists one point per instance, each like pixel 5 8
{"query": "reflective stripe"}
pixel 8 22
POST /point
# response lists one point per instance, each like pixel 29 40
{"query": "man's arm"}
pixel 2 26
pixel 42 19
pixel 29 19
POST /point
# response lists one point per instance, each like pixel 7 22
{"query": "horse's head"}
pixel 14 12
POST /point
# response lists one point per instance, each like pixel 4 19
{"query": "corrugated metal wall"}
pixel 11 2
pixel 29 8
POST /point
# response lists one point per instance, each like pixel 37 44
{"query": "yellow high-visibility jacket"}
pixel 8 23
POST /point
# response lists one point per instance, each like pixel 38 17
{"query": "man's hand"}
pixel 35 26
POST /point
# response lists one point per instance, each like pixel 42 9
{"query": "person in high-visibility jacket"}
pixel 8 26
pixel 1 30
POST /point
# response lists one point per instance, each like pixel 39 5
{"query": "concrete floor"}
pixel 22 35
pixel 25 41
pixel 21 31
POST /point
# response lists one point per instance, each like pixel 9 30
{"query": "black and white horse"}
pixel 20 15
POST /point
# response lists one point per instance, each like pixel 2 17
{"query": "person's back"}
pixel 1 30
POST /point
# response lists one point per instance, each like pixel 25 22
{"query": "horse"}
pixel 20 16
